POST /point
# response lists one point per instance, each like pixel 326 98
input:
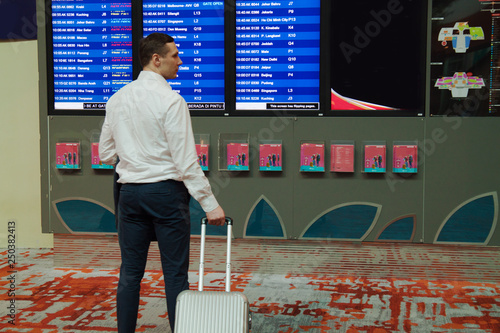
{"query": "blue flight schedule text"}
pixel 92 51
pixel 277 55
pixel 198 30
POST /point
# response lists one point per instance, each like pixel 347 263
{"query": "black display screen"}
pixel 377 55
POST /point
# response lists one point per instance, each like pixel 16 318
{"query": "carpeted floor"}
pixel 47 297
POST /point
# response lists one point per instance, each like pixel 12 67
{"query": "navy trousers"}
pixel 145 210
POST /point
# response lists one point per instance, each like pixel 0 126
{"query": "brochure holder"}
pixel 202 142
pixel 270 155
pixel 68 155
pixel 234 152
pixel 96 162
pixel 312 156
pixel 342 156
pixel 374 156
pixel 405 157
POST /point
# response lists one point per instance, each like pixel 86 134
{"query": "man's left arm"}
pixel 179 133
pixel 107 150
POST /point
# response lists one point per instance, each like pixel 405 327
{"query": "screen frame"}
pixel 230 70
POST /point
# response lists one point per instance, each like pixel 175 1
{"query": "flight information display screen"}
pixel 377 63
pixel 198 30
pixel 277 55
pixel 92 51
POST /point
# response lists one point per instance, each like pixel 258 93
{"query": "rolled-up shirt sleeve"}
pixel 179 133
pixel 107 150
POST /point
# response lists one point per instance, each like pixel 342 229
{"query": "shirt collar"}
pixel 152 76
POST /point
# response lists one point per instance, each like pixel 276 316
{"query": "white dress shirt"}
pixel 148 126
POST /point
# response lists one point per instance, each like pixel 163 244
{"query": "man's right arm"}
pixel 107 150
pixel 216 216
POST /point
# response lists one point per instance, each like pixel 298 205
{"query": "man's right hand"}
pixel 216 216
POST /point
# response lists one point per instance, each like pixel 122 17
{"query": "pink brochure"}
pixel 67 155
pixel 202 152
pixel 342 158
pixel 405 158
pixel 96 161
pixel 270 157
pixel 375 158
pixel 237 156
pixel 312 157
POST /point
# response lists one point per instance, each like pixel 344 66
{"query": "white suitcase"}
pixel 213 311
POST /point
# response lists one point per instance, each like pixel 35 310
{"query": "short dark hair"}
pixel 154 43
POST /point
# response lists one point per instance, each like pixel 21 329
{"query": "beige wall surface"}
pixel 20 200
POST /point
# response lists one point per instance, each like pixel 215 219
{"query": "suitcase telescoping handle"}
pixel 229 222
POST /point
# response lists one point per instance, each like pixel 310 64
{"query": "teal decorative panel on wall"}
pixel 400 230
pixel 264 221
pixel 352 221
pixel 80 215
pixel 472 222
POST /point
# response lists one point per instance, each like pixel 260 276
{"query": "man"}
pixel 148 126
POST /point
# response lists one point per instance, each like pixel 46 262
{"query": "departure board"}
pixel 198 30
pixel 277 55
pixel 92 51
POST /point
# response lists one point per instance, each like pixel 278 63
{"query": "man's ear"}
pixel 156 60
